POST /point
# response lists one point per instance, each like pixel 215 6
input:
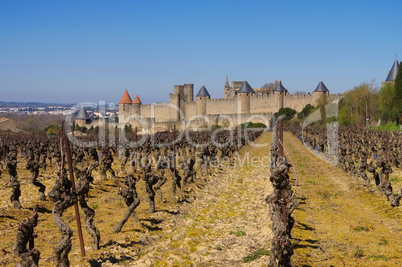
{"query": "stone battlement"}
pixel 240 104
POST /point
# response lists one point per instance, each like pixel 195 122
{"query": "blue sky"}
pixel 87 51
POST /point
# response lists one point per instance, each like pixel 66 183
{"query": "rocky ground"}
pixel 222 219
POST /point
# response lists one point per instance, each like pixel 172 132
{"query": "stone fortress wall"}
pixel 235 108
pixel 240 104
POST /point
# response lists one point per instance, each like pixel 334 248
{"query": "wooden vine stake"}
pixel 66 144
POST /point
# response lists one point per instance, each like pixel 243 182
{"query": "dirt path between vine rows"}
pixel 222 224
pixel 338 221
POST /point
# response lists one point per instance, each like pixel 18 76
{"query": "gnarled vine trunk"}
pixel 25 235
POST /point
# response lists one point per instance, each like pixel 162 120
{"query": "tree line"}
pixel 366 104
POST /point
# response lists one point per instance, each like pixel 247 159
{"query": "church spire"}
pixel 227 83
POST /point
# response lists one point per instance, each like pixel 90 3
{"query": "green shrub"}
pixel 287 113
pixel 250 124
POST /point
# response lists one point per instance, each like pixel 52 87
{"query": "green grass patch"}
pixel 362 228
pixel 378 258
pixel 256 254
pixel 49 225
pixel 388 127
pixel 238 233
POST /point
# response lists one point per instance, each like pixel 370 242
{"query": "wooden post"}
pixel 66 144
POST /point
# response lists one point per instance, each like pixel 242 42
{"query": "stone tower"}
pixel 136 107
pixel 124 107
pixel 319 92
pixel 182 94
pixel 243 95
pixel 188 92
pixel 228 92
pixel 227 87
pixel 279 94
pixel 82 117
pixel 201 100
pixel 135 113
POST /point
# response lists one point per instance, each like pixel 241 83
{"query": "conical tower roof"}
pixel 82 114
pixel 394 71
pixel 126 99
pixel 280 88
pixel 203 92
pixel 245 88
pixel 137 100
pixel 321 88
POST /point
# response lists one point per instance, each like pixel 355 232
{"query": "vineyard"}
pixel 303 197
